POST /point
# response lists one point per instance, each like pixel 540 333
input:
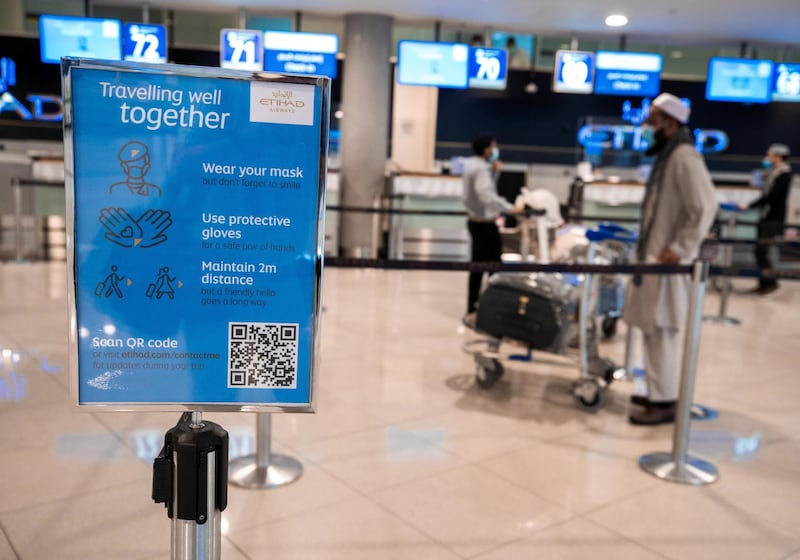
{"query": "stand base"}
pixel 695 471
pixel 282 470
pixel 722 320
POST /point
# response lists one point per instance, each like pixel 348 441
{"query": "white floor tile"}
pixel 687 522
pixel 380 458
pixel 353 530
pixel 577 479
pixel 470 510
pixel 407 457
pixel 577 539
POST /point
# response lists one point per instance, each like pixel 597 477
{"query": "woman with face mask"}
pixel 772 206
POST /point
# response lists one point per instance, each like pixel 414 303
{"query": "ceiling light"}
pixel 676 54
pixel 616 20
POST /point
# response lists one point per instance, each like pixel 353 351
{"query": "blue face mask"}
pixel 766 163
pixel 648 135
pixel 495 155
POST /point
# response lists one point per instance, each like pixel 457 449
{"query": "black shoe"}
pixel 656 413
pixel 469 320
pixel 765 290
pixel 640 400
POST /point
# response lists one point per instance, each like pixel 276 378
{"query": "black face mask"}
pixel 660 141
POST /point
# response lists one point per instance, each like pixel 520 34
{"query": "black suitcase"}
pixel 536 309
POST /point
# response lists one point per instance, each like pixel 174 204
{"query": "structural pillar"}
pixel 11 16
pixel 366 95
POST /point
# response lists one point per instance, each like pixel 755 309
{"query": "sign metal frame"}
pixel 322 102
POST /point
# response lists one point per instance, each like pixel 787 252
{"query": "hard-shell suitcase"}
pixel 536 309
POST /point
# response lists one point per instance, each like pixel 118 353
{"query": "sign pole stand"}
pixel 190 479
pixel 264 469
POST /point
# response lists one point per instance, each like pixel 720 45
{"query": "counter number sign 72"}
pixel 145 45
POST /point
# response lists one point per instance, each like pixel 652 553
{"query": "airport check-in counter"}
pixel 446 238
pixel 32 219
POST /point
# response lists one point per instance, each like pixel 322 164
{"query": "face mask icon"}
pixel 134 159
pixel 135 171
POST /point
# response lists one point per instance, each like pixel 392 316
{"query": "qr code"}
pixel 262 355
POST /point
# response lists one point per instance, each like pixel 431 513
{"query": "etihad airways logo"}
pixel 281 103
pixel 39 103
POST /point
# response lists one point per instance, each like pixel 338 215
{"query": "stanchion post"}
pixel 190 477
pixel 265 469
pixel 17 217
pixel 630 340
pixel 678 466
pixel 583 318
pixel 728 232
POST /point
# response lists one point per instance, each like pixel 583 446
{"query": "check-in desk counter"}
pixel 623 200
pixel 332 217
pixel 32 222
pixel 615 200
pixel 425 236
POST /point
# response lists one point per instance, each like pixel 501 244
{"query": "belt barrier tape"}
pixel 563 268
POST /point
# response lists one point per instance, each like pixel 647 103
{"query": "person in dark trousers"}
pixel 772 206
pixel 483 206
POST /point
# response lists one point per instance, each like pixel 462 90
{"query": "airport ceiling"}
pixel 709 22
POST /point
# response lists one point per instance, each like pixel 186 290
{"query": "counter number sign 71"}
pixel 244 50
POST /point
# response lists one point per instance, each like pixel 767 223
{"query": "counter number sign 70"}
pixel 488 66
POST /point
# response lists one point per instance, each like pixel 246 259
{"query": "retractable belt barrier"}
pixel 639 269
pixel 399 264
pixel 677 465
pixel 571 217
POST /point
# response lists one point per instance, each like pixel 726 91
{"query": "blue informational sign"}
pixel 739 79
pixel 574 72
pixel 422 63
pixel 488 68
pixel 301 53
pixel 144 42
pixel 79 37
pixel 625 73
pixel 786 82
pixel 196 218
pixel 241 49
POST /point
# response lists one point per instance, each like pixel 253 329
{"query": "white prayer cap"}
pixel 672 106
pixel 779 150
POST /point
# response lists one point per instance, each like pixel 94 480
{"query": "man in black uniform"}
pixel 772 206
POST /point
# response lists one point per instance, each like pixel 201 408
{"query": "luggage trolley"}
pixel 545 312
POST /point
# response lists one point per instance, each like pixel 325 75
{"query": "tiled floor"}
pixel 407 458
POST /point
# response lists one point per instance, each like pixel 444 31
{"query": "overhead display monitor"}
pixel 144 42
pixel 79 37
pixel 627 73
pixel 739 79
pixel 574 72
pixel 301 53
pixel 488 68
pixel 242 49
pixel 786 82
pixel 422 63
